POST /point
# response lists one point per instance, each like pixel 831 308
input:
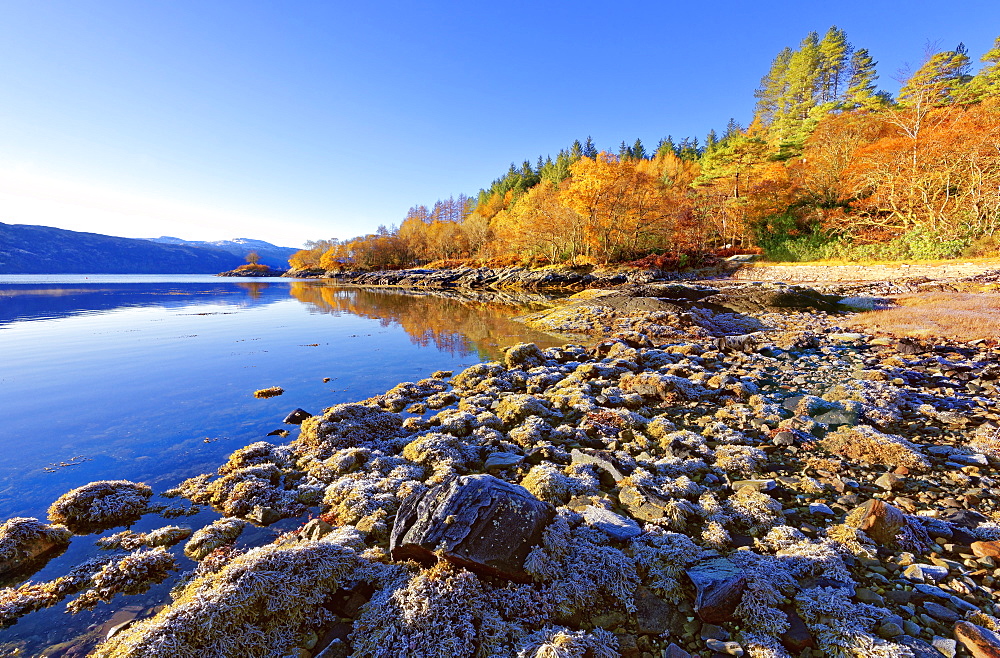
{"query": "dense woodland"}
pixel 830 167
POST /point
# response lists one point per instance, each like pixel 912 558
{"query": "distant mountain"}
pixel 26 249
pixel 272 255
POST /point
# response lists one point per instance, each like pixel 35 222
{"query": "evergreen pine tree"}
pixel 861 87
pixel 638 151
pixel 987 81
pixel 666 146
pixel 710 140
pixel 589 150
pixel 772 88
pixel 834 60
pixel 939 81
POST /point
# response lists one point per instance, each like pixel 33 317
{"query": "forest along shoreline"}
pixel 741 268
pixel 728 469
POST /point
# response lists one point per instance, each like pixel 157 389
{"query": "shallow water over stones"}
pixel 151 379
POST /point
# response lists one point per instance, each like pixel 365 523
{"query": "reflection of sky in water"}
pixel 135 376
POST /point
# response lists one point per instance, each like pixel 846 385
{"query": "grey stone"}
pixel 971 460
pixel 925 572
pixel 476 521
pixel 889 481
pixel 615 525
pixel 674 651
pixel 865 595
pixel 839 417
pixel 919 648
pixel 727 648
pixel 783 439
pixel 947 646
pixel 821 509
pixel 758 485
pixel 297 416
pixel 719 586
pixel 654 615
pixel 501 460
pixel 931 590
pixel 713 632
pixel 941 613
pixel 605 462
pixel 981 642
pixel 797 638
pixel 889 630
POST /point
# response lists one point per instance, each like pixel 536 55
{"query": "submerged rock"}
pixel 101 505
pixel 476 521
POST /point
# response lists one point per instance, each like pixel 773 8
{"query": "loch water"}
pixel 151 378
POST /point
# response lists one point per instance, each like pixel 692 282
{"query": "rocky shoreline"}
pixel 512 278
pixel 724 470
pixel 737 269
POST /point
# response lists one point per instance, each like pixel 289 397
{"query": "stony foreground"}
pixel 729 474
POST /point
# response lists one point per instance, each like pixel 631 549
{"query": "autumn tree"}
pixel 622 204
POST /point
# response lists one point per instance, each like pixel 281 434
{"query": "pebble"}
pixel 941 613
pixel 728 648
pixel 925 572
pixel 946 646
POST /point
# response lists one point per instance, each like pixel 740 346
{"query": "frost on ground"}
pixel 806 491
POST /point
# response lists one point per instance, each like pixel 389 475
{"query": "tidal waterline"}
pixel 153 380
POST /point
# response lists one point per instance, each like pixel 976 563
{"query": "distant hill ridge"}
pixel 270 254
pixel 27 249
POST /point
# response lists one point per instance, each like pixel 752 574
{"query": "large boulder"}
pixel 479 522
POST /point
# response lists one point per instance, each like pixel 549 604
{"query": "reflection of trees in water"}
pixel 454 323
pixel 253 288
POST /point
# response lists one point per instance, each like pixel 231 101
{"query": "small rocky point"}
pixel 723 470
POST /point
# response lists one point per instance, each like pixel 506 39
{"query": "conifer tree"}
pixel 638 150
pixel 772 88
pixel 861 88
pixel 666 146
pixel 939 81
pixel 589 150
pixel 987 82
pixel 834 60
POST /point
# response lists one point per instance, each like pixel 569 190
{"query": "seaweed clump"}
pixel 269 392
pixel 101 505
pixel 258 604
pixel 25 539
pixel 133 574
pixel 222 532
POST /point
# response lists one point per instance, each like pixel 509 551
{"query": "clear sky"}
pixel 290 121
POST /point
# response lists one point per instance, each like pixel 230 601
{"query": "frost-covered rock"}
pixel 24 539
pixel 100 505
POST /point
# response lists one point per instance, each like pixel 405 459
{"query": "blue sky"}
pixel 289 121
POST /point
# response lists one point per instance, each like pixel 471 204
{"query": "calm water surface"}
pixel 151 378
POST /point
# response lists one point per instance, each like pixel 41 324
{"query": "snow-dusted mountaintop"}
pixel 270 254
